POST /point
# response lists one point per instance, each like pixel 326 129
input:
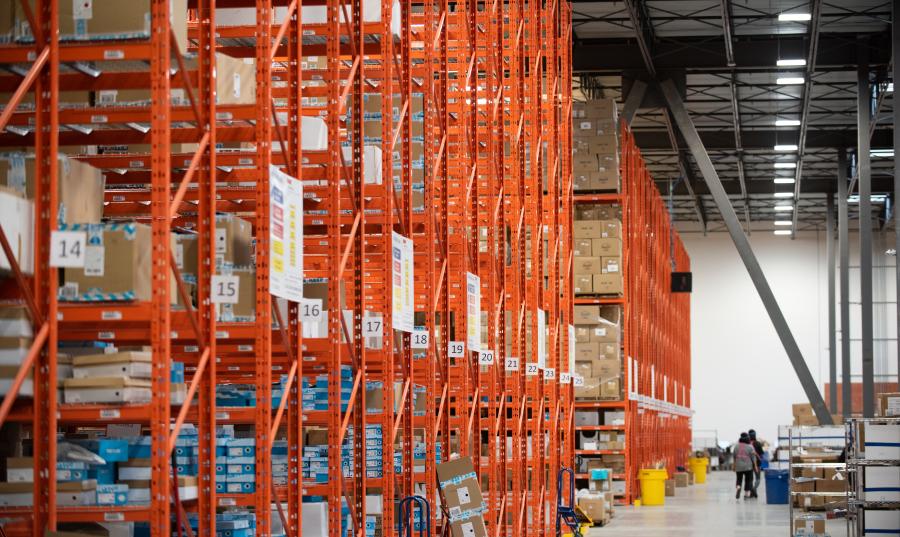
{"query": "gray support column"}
pixel 844 253
pixel 832 340
pixel 689 132
pixel 633 102
pixel 895 42
pixel 864 174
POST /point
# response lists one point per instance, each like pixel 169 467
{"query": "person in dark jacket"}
pixel 757 473
pixel 745 465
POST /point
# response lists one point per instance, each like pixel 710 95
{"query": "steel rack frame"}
pixel 656 328
pixel 857 505
pixel 497 204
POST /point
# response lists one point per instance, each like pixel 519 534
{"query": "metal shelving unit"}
pixel 656 325
pixel 857 463
pixel 496 202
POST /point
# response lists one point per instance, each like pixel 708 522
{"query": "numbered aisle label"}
pixel 67 249
pixel 512 364
pixel 549 373
pixel 419 338
pixel 565 378
pixel 225 289
pixel 485 357
pixel 311 310
pixel 372 326
pixel 456 349
pixel 577 381
pixel 531 370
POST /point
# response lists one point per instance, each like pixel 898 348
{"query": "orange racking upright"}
pixel 655 326
pixel 467 159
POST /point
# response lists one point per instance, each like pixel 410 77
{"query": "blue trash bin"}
pixel 777 486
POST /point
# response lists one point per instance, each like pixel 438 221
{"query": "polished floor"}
pixel 706 510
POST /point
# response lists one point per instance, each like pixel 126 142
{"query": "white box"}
pixel 587 417
pixel 881 484
pixel 371 163
pixel 107 390
pixel 315 519
pixel 880 523
pixel 134 473
pixel 614 417
pixel 17 221
pixel 882 442
pixel 588 439
pixel 136 370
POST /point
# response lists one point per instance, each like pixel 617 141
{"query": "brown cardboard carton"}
pixel 610 389
pixel 116 268
pixel 610 229
pixel 831 485
pixel 316 437
pixel 802 409
pixel 888 404
pixel 587 314
pixel 594 507
pixel 608 284
pixel 588 265
pixel 804 485
pixel 609 351
pixel 606 179
pixel 583 283
pixel 608 328
pixel 609 211
pixel 681 479
pixel 610 265
pixel 580 181
pixel 582 334
pixel 245 308
pixel 588 229
pixel 587 351
pixel 584 368
pixel 79 186
pixel 589 391
pixel 582 247
pixel 813 473
pixel 235 80
pixel 808 524
pixel 233 241
pixel 670 487
pixel 185 251
pixel 807 421
pixel 469 527
pixel 607 368
pixel 607 247
pixel 459 485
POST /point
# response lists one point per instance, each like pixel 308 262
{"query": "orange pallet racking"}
pixel 495 204
pixel 656 328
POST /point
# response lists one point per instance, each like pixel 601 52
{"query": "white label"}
pixel 245 348
pixel 372 326
pixel 99 119
pixel 94 256
pixel 136 164
pixel 237 86
pixel 82 9
pixel 893 406
pixel 612 267
pixel 179 256
pixel 512 364
pixel 67 249
pixel 486 357
pixel 221 240
pixel 473 310
pixel 468 529
pixel 585 125
pixel 462 494
pixel 113 517
pixel 600 332
pixel 227 502
pixel 113 54
pixel 221 334
pixel 285 236
pixel 531 370
pixel 419 338
pixel 109 413
pixel 565 378
pixel 223 415
pixel 456 349
pixel 113 315
pixel 191 348
pixel 225 289
pixel 106 335
pixel 311 310
pixel 577 381
pixel 549 373
pixel 542 338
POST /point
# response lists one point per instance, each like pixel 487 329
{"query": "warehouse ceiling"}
pixel 724 53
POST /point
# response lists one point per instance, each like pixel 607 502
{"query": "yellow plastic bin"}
pixel 698 467
pixel 653 486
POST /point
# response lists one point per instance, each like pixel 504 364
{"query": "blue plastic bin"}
pixel 777 486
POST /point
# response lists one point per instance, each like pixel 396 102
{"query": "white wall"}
pixel 741 376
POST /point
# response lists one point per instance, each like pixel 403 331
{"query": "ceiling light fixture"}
pixel 787 122
pixel 783 208
pixel 881 153
pixel 784 180
pixel 786 147
pixel 790 80
pixel 794 17
pixel 783 232
pixel 799 62
pixel 889 88
pixel 784 194
pixel 782 222
pixel 785 165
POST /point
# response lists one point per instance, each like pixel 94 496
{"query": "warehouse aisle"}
pixel 704 510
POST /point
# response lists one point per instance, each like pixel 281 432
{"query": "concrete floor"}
pixel 706 510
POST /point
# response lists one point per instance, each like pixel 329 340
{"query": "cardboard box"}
pixel 117 264
pixel 889 404
pixel 587 314
pixel 610 265
pixel 809 525
pixel 584 368
pixel 594 507
pixel 468 527
pixel 587 229
pixel 459 485
pixel 234 237
pixel 804 485
pixel 607 369
pixel 186 253
pixel 582 247
pixel 107 390
pixel 608 284
pixel 583 283
pixel 607 247
pixel 17 221
pixel 596 108
pixel 589 391
pixel 244 310
pixel 610 389
pixel 582 334
pixel 802 409
pixel 79 186
pixel 806 421
pixel 588 265
pixel 838 486
pixel 610 229
pixel 606 180
pixel 235 80
pixel 131 364
pixel 609 351
pixel 670 487
pixel 681 479
pixel 587 352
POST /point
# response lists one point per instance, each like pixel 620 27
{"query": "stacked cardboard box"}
pixel 598 252
pixel 597 352
pixel 804 415
pixel 889 404
pixel 15 340
pixel 595 146
pixel 461 494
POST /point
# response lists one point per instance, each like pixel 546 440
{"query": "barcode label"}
pixel 113 315
pixel 106 335
pixel 109 413
pixel 113 517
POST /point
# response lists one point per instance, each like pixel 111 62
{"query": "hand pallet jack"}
pixel 567 512
pixel 406 506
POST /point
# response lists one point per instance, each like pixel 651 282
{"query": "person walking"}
pixel 745 465
pixel 757 472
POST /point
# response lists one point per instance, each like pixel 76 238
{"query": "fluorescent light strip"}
pixel 790 80
pixel 783 232
pixel 787 122
pixel 786 147
pixel 783 208
pixel 784 180
pixel 782 223
pixel 881 153
pixel 785 165
pixel 791 63
pixel 784 194
pixel 794 17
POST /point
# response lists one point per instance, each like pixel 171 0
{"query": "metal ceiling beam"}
pixel 723 139
pixel 761 187
pixel 844 249
pixel 815 12
pixel 864 175
pixel 751 53
pixel 633 102
pixel 742 243
pixel 736 118
pixel 832 339
pixel 728 29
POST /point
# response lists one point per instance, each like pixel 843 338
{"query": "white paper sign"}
pixel 571 347
pixel 542 338
pixel 94 260
pixel 419 339
pixel 403 302
pixel 311 310
pixel 67 249
pixel 512 363
pixel 285 236
pixel 577 381
pixel 456 349
pixel 549 373
pixel 225 289
pixel 565 378
pixel 531 370
pixel 473 311
pixel 485 357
